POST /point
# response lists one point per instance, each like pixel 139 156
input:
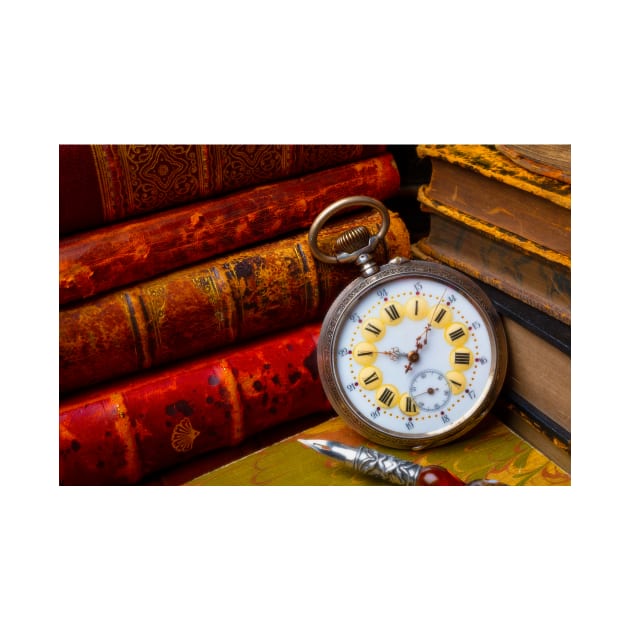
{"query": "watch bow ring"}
pixel 359 237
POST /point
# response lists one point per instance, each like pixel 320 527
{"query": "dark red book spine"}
pixel 101 184
pixel 94 262
pixel 120 434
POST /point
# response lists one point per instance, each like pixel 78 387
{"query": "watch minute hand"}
pixel 414 355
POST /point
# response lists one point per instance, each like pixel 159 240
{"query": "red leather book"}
pixel 141 425
pixel 94 262
pixel 238 296
pixel 102 184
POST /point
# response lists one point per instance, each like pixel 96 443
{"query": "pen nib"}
pixel 336 450
pixel 321 446
pixel 308 443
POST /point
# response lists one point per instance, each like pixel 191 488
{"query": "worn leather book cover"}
pixel 539 365
pixel 91 263
pixel 550 160
pixel 252 292
pixel 539 373
pixel 123 432
pixel 101 184
pixel 492 199
pixel 529 272
pixel 490 162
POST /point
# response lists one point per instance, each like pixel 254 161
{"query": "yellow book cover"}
pixel 491 451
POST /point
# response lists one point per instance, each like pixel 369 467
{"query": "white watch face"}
pixel 413 356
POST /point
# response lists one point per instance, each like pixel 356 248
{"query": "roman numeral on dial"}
pixel 364 353
pixel 408 405
pixel 370 377
pixel 392 313
pixel 457 382
pixel 461 358
pixel 387 396
pixel 442 316
pixel 456 334
pixel 416 308
pixel 373 329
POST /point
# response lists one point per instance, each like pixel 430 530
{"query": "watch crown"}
pixel 352 240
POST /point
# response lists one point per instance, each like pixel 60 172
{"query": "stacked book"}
pixel 190 302
pixel 502 214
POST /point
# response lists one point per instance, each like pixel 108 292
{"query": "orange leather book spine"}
pixel 234 297
pixel 102 184
pixel 153 421
pixel 94 262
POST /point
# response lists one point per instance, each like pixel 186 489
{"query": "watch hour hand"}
pixel 413 356
pixel 393 354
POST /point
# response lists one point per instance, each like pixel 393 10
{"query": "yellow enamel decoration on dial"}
pixel 461 359
pixel 392 314
pixel 364 353
pixel 370 377
pixel 408 405
pixel 456 334
pixel 387 396
pixel 457 382
pixel 373 329
pixel 441 316
pixel 416 308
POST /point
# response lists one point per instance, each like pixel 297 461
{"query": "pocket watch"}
pixel 411 354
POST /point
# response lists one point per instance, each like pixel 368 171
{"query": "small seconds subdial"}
pixel 430 390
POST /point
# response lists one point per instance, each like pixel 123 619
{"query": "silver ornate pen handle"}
pixel 389 468
pixel 386 467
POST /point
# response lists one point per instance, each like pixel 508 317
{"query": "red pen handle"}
pixel 437 476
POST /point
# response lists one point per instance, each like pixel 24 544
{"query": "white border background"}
pixel 338 72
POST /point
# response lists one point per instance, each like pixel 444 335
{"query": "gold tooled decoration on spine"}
pixel 183 436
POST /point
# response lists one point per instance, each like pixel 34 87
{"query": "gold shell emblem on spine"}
pixel 183 436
